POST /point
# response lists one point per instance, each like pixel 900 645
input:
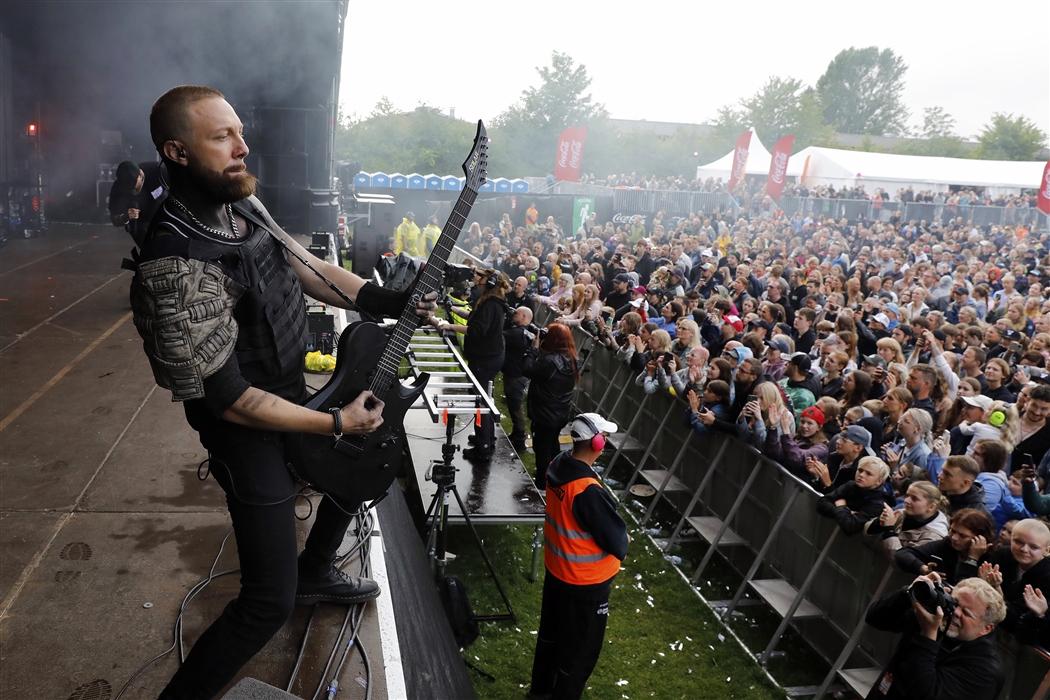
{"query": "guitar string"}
pixel 387 367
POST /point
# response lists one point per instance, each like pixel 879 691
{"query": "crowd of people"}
pixel 754 186
pixel 900 368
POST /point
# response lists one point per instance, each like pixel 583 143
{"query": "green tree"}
pixel 936 137
pixel 421 141
pixel 860 92
pixel 1007 138
pixel 525 135
pixel 782 107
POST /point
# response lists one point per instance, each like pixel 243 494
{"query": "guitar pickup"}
pixel 348 448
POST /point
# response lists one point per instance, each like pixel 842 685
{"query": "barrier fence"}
pixel 761 520
pixel 683 202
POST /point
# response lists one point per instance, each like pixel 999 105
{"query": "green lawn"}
pixel 662 640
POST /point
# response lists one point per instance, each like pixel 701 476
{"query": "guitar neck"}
pixel 430 280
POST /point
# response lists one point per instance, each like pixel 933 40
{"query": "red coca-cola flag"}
pixel 739 159
pixel 1044 191
pixel 778 166
pixel 570 154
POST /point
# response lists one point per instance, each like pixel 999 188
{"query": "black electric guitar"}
pixel 358 468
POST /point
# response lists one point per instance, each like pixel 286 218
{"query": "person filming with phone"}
pixel 948 648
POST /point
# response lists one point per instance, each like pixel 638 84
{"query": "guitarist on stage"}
pixel 219 305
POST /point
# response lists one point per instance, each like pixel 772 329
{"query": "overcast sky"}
pixel 681 61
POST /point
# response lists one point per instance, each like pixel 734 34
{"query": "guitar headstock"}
pixel 474 167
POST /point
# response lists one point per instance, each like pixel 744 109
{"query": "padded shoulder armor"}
pixel 183 310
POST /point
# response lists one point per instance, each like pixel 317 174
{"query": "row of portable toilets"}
pixel 435 182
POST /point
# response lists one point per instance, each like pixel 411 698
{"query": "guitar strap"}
pixel 256 218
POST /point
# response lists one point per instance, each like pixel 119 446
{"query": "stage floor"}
pixel 104 525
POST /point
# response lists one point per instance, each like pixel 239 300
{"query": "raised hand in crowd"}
pixel 941 447
pixel 818 470
pixel 650 368
pixel 694 401
pixel 1033 598
pixel 991 574
pixel 888 516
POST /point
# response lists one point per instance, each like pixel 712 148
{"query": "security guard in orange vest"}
pixel 585 540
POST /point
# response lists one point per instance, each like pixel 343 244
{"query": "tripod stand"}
pixel 443 474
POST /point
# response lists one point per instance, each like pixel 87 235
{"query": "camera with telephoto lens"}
pixel 532 331
pixel 457 274
pixel 931 596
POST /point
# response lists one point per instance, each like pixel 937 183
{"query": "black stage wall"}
pixel 80 69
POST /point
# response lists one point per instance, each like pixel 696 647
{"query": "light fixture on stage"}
pixel 31 130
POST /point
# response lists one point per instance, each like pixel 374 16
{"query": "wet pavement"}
pixel 104 524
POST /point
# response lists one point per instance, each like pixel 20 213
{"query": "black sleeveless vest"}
pixel 271 314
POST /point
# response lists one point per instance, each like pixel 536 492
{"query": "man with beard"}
pixel 221 312
pixel 960 662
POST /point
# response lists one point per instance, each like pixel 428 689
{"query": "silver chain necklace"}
pixel 218 232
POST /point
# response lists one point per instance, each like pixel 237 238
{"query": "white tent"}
pixel 758 160
pixel 841 168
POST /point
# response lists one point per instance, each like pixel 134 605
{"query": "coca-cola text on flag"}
pixel 570 154
pixel 1044 191
pixel 778 166
pixel 739 159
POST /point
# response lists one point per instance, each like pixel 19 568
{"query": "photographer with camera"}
pixel 959 662
pixel 518 339
pixel 483 348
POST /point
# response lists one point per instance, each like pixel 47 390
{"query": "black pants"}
pixel 485 370
pixel 250 467
pixel 572 629
pixel 514 392
pixel 546 446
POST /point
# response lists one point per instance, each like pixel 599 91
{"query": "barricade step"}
pixel 779 594
pixel 709 526
pixel 623 441
pixel 860 680
pixel 656 478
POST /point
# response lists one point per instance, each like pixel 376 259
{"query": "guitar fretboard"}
pixel 433 272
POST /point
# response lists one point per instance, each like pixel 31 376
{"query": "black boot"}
pixel 333 586
pixel 478 453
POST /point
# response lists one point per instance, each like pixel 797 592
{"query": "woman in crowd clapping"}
pixel 715 401
pixel 755 418
pixel 693 375
pixel 794 448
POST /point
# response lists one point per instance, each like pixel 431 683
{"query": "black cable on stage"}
pixel 177 631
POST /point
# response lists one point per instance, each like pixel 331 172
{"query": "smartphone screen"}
pixel 751 398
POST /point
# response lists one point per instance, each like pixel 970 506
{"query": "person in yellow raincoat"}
pixel 407 238
pixel 431 234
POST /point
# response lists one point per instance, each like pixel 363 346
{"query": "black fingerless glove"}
pixel 381 301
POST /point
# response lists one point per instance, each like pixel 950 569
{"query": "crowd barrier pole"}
pixel 652 443
pixel 854 639
pixel 699 491
pixel 726 521
pixel 667 479
pixel 760 557
pixel 782 627
pixel 586 355
pixel 628 432
pixel 612 383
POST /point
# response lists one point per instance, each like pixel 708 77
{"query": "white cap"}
pixel 587 425
pixel 980 401
pixel 707 253
pixel 881 318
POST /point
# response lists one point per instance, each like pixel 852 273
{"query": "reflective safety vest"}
pixel 570 552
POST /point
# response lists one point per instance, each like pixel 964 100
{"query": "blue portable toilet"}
pixel 416 181
pixel 501 184
pixel 451 183
pixel 519 185
pixel 362 179
pixel 399 181
pixel 380 180
pixel 432 182
pixel 487 186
